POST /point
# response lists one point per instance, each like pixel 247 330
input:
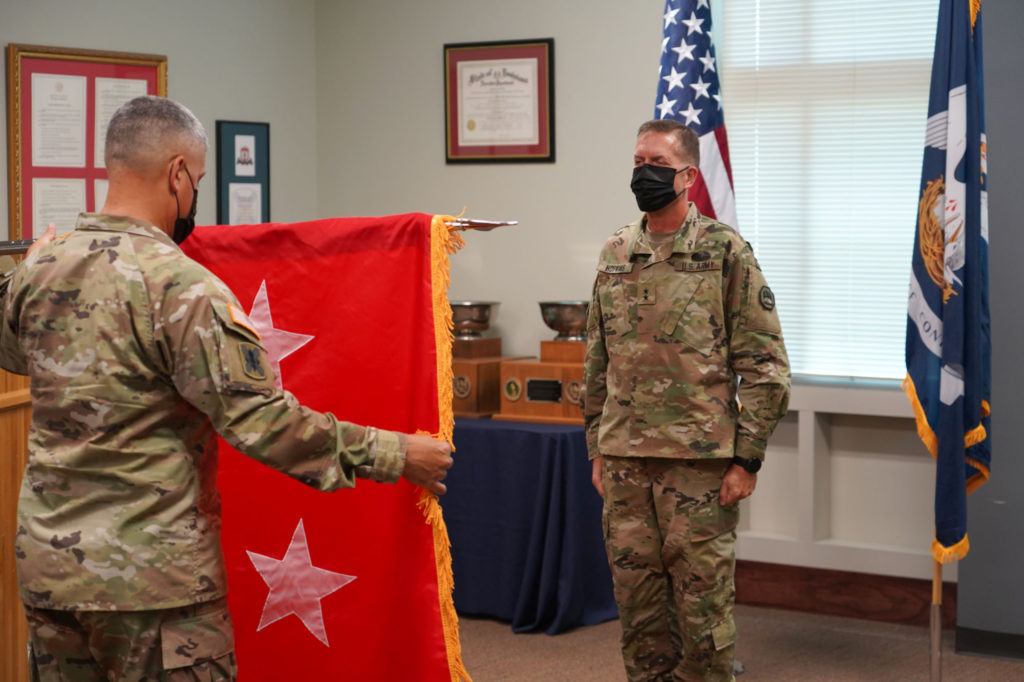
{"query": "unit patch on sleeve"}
pixel 767 298
pixel 252 361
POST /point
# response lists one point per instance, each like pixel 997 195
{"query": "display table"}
pixel 525 527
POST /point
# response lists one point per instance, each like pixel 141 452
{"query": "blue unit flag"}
pixel 948 331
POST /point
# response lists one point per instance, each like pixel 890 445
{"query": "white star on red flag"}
pixel 297 586
pixel 279 343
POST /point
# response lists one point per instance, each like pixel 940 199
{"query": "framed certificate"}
pixel 59 102
pixel 499 101
pixel 243 173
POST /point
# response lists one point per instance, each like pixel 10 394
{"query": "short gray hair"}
pixel 688 143
pixel 148 130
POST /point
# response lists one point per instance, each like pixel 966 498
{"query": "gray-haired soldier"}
pixel 133 352
pixel 680 310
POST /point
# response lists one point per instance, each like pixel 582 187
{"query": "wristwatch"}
pixel 749 464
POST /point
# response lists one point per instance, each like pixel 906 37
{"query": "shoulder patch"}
pixel 242 320
pixel 252 361
pixel 767 298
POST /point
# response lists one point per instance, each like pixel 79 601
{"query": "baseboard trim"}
pixel 990 644
pixel 842 593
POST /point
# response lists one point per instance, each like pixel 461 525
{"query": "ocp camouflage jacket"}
pixel 669 335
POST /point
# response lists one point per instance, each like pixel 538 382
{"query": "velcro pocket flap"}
pixel 708 521
pixel 724 634
pixel 683 294
pixel 189 641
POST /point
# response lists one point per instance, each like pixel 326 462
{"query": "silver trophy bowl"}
pixel 568 318
pixel 471 318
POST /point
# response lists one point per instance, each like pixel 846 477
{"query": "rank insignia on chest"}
pixel 767 298
pixel 252 361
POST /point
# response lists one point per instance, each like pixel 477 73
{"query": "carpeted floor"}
pixel 774 646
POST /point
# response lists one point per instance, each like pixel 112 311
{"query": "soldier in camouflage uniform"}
pixel 680 311
pixel 138 358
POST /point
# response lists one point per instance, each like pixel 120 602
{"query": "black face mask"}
pixel 654 187
pixel 183 226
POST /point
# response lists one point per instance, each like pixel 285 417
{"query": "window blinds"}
pixel 825 104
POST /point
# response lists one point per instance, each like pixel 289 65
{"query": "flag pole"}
pixel 482 225
pixel 936 622
pixel 20 246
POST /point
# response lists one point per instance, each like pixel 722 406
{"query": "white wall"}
pixel 381 134
pixel 226 60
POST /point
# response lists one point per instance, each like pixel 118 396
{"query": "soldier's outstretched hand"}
pixel 427 461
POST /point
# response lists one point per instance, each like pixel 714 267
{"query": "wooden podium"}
pixel 15 414
pixel 548 391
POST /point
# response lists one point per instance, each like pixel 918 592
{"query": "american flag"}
pixel 689 92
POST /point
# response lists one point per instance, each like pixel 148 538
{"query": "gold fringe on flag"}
pixel 976 435
pixel 931 441
pixel 924 430
pixel 944 554
pixel 443 243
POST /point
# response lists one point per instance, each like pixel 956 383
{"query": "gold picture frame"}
pixel 57 99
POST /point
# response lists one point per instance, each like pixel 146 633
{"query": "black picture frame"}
pixel 239 187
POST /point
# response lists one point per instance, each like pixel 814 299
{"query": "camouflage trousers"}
pixel 670 546
pixel 194 642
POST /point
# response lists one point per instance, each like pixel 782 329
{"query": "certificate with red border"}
pixel 59 102
pixel 499 101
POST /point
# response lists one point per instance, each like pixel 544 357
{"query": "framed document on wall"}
pixel 59 102
pixel 499 101
pixel 243 173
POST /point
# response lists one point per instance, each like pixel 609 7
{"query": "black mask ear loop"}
pixel 183 226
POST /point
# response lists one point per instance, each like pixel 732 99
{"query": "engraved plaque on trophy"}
pixel 549 390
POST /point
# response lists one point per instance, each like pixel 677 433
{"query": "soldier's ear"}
pixel 176 173
pixel 690 176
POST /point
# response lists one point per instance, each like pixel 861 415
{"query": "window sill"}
pixel 876 398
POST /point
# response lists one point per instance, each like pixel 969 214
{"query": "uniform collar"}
pixel 101 222
pixel 686 236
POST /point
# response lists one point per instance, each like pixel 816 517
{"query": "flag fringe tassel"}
pixel 958 551
pixel 944 554
pixel 978 479
pixel 924 430
pixel 443 243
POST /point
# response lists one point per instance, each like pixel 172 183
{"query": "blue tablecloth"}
pixel 525 527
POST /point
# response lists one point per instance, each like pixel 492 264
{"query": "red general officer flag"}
pixel 356 584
